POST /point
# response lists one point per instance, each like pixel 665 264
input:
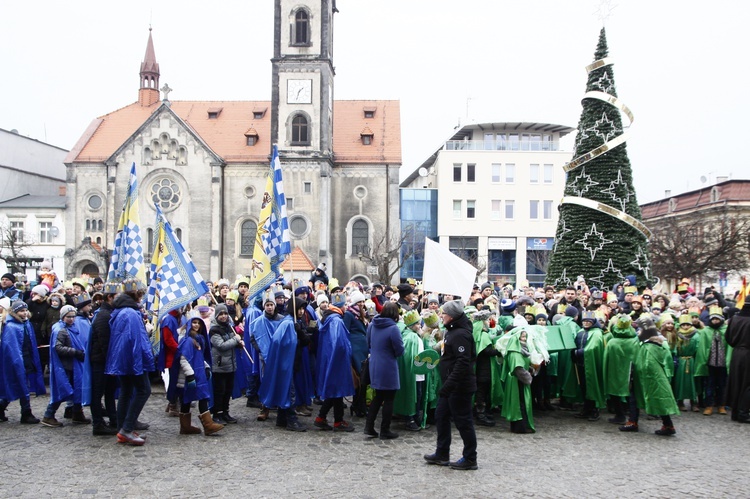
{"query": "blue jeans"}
pixel 135 390
pixel 458 407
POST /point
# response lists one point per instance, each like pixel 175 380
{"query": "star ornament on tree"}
pixel 593 241
pixel 563 280
pixel 641 262
pixel 613 188
pixel 604 128
pixel 605 83
pixel 607 275
pixel 562 230
pixel 582 183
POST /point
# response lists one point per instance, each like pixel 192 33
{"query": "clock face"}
pixel 299 91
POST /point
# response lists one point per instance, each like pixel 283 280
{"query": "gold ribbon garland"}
pixel 607 209
pixel 603 149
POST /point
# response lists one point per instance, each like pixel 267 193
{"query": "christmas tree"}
pixel 600 234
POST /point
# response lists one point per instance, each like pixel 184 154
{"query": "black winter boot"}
pixel 28 418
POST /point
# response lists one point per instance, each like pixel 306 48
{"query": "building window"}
pixel 464 247
pixel 715 195
pixel 457 172
pixel 251 140
pixel 534 210
pixel 548 210
pixel 513 142
pixel 88 224
pixel 509 210
pixel 534 174
pixel 166 193
pixel 471 208
pixel 501 262
pixel 45 232
pixel 546 142
pixel 496 207
pixel 549 174
pixel 457 209
pixel 360 237
pixel 289 204
pixel 471 172
pixel 366 139
pixel 307 187
pixel 16 231
pixel 248 231
pixel 95 202
pixel 300 131
pixel 150 241
pixel 178 233
pixel 496 172
pixel 536 142
pixel 298 226
pixel 100 225
pixel 510 173
pixel 301 28
pixel 369 113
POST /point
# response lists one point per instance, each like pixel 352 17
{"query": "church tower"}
pixel 302 112
pixel 149 91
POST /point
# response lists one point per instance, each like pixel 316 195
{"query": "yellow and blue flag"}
pixel 175 281
pixel 127 256
pixel 272 242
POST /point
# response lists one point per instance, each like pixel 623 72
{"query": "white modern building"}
pixel 498 186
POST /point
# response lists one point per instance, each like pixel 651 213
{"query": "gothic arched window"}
pixel 248 231
pixel 360 237
pixel 301 33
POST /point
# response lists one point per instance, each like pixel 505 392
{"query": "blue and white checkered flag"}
pixel 127 255
pixel 175 281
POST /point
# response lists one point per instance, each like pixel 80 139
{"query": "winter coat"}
pixel 130 352
pixel 386 345
pixel 38 319
pixel 653 392
pixel 738 337
pixel 459 358
pixel 223 347
pixel 357 337
pixel 100 334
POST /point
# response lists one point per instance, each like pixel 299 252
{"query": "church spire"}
pixel 149 92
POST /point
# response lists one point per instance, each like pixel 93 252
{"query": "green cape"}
pixel 653 392
pixel 619 355
pixel 512 401
pixel 593 360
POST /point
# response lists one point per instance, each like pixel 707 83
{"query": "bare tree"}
pixel 388 253
pixel 12 245
pixel 699 245
pixel 539 259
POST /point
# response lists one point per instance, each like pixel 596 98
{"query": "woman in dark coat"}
pixel 738 386
pixel 355 320
pixel 386 345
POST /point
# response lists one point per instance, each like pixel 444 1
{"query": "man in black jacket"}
pixel 459 384
pixel 102 384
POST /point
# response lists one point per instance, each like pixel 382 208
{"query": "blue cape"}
pixel 59 384
pixel 304 389
pixel 334 364
pixel 277 380
pixel 197 359
pixel 130 351
pixel 262 330
pixel 14 382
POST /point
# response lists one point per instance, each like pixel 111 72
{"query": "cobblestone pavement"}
pixel 708 457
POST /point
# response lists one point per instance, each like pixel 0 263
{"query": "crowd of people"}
pixel 309 348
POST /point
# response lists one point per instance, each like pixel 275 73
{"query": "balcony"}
pixel 487 145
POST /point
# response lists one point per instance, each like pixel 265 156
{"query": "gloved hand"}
pixel 208 373
pixel 190 381
pixel 80 355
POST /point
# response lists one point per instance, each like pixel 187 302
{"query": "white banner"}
pixel 444 272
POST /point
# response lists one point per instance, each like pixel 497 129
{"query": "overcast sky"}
pixel 679 66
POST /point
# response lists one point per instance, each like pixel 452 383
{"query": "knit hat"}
pixel 19 305
pixel 571 311
pixel 5 302
pixel 433 299
pixel 220 309
pixel 487 285
pixel 404 289
pixel 508 305
pixel 454 308
pixel 356 297
pixel 66 310
pixel 9 276
pixel 411 317
pixel 322 298
pixel 40 290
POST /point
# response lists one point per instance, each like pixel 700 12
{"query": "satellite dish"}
pixel 703 179
pixel 423 172
pixel 54 231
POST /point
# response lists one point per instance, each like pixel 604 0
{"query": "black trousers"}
pixel 384 399
pixel 223 386
pixel 456 406
pixel 102 385
pixel 338 409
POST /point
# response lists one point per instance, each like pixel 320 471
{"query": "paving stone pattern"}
pixel 567 457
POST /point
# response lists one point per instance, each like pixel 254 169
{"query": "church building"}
pixel 205 163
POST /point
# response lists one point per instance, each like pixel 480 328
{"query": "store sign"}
pixel 501 243
pixel 540 243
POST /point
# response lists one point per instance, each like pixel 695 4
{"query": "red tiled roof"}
pixel 731 191
pixel 225 135
pixel 297 261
